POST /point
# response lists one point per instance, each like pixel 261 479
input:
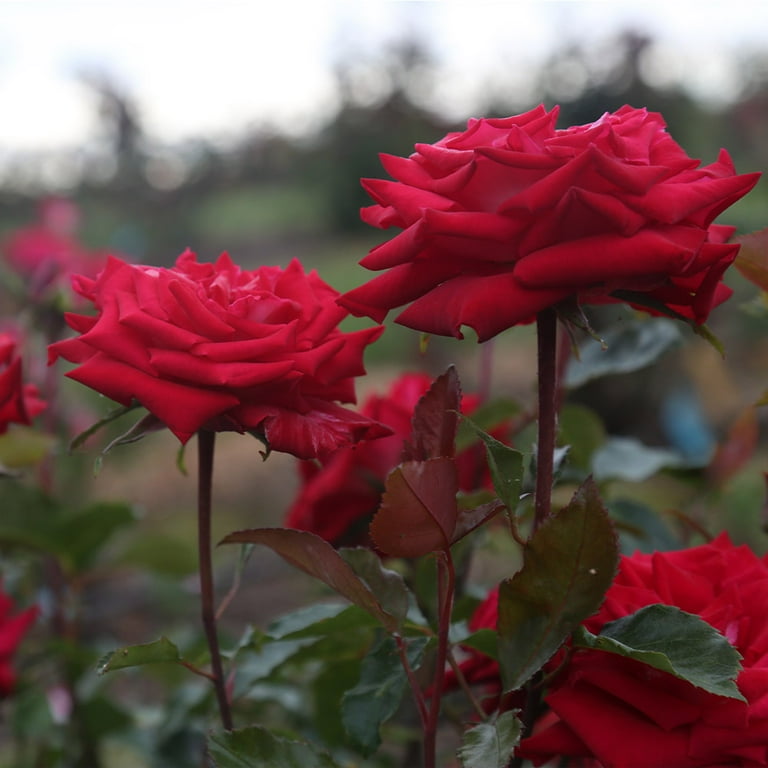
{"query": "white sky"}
pixel 210 67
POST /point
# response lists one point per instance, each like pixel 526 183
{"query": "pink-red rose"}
pixel 19 402
pixel 338 499
pixel 512 216
pixel 622 714
pixel 12 629
pixel 214 346
pixel 47 252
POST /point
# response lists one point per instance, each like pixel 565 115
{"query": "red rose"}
pixel 12 629
pixel 338 499
pixel 623 714
pixel 214 346
pixel 19 402
pixel 511 217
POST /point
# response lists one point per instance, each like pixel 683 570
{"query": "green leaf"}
pixel 582 430
pixel 641 528
pixel 256 747
pixel 484 640
pixel 624 458
pixel 506 466
pixel 318 558
pixel 83 534
pixel 645 301
pixel 568 565
pixel 387 585
pixel 676 642
pixel 490 745
pixel 629 347
pixel 158 651
pixel 378 694
pixel 486 418
pixel 113 415
pixel 317 620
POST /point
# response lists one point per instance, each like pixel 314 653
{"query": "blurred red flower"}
pixel 46 253
pixel 214 346
pixel 511 216
pixel 12 629
pixel 19 402
pixel 338 498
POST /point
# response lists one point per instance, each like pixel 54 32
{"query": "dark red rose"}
pixel 214 346
pixel 511 216
pixel 338 499
pixel 623 714
pixel 19 402
pixel 12 629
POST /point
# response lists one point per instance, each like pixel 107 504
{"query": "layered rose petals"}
pixel 512 216
pixel 19 402
pixel 615 712
pixel 213 346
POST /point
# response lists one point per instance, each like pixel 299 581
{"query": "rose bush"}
pixel 19 402
pixel 338 499
pixel 610 711
pixel 625 715
pixel 214 346
pixel 512 216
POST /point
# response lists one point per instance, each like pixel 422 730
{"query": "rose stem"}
pixel 546 327
pixel 205 445
pixel 446 580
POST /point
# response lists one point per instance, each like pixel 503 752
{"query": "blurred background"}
pixel 245 126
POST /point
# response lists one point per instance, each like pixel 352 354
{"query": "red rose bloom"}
pixel 623 714
pixel 19 402
pixel 511 216
pixel 12 629
pixel 338 499
pixel 214 346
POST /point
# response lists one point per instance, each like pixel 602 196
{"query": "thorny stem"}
pixel 446 583
pixel 546 326
pixel 205 444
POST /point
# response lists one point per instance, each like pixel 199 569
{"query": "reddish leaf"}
pixel 752 259
pixel 737 448
pixel 435 420
pixel 418 510
pixel 318 558
pixel 470 519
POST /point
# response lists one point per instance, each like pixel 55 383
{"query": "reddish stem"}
pixel 546 326
pixel 446 582
pixel 205 445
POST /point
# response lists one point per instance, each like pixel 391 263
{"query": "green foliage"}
pixel 627 347
pixel 157 652
pixel 568 565
pixel 490 745
pixel 377 695
pixel 505 464
pixel 676 642
pixel 257 747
